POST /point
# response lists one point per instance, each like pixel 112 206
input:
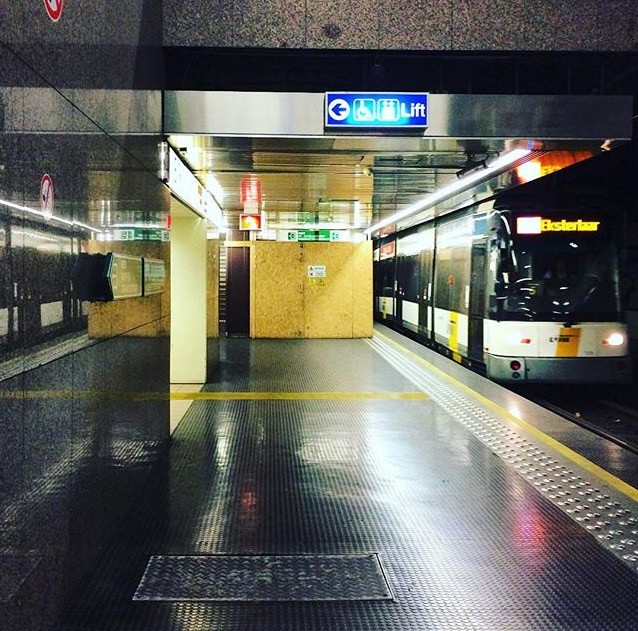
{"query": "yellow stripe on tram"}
pixel 570 454
pixel 568 342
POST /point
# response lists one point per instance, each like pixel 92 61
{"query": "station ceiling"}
pixel 318 180
pixel 332 182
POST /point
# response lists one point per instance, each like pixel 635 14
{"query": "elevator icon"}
pixel 389 110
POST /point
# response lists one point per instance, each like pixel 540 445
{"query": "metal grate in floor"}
pixel 264 578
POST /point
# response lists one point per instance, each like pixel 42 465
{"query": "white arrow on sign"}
pixel 339 109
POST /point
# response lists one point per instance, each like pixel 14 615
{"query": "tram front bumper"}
pixel 560 369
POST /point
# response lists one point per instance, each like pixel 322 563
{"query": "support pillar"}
pixel 188 296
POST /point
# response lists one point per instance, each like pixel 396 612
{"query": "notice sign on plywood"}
pixel 316 271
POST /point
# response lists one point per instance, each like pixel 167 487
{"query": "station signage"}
pixel 250 222
pixel 385 110
pixel 316 271
pixel 316 235
pixel 539 225
pixel 54 8
pixel 188 189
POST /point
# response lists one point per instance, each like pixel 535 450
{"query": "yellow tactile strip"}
pixel 604 505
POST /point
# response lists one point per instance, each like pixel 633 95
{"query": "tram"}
pixel 518 288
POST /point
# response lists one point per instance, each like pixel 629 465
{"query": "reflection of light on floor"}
pixel 46 487
pixel 329 450
pixel 514 410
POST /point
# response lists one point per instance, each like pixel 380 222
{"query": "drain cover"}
pixel 264 578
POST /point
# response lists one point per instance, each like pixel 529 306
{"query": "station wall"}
pixel 452 25
pixel 123 317
pixel 80 102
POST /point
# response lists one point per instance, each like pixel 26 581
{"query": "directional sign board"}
pixel 386 110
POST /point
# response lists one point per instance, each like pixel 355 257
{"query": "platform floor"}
pixel 362 485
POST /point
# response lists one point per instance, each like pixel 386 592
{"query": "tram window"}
pixel 452 276
pixel 409 277
pixel 557 279
pixel 386 277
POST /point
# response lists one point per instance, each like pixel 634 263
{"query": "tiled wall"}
pixel 82 421
pixel 455 25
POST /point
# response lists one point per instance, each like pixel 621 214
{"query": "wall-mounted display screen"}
pixel 125 276
pixel 104 277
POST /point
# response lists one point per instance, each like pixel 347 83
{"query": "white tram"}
pixel 519 290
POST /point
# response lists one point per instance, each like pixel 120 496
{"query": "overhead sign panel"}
pixel 386 110
pixel 188 188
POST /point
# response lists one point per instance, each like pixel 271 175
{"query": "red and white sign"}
pixel 250 222
pixel 46 196
pixel 54 8
pixel 250 190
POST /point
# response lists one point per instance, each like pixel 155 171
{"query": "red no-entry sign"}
pixel 54 8
pixel 46 196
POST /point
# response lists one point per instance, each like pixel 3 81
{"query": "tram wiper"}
pixel 589 285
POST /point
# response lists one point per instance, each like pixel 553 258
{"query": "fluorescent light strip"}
pixel 455 187
pixel 40 214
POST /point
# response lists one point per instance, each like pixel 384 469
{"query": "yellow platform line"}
pixel 209 396
pixel 597 471
pixel 311 396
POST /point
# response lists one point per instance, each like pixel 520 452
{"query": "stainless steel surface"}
pixel 311 177
pixel 449 115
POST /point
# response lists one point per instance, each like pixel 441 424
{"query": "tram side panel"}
pixel 452 275
pixel 414 265
pixel 385 281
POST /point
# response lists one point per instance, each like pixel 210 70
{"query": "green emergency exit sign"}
pixel 315 235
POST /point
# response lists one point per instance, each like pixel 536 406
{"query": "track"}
pixel 610 412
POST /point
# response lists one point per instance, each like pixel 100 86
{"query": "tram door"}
pixel 425 293
pixel 477 301
pixel 238 291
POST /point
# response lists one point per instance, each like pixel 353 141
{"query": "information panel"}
pixel 125 276
pixel 154 276
pixel 376 109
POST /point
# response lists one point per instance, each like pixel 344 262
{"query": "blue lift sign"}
pixel 376 109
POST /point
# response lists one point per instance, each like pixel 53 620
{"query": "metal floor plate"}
pixel 264 578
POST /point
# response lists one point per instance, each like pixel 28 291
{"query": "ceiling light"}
pixel 456 186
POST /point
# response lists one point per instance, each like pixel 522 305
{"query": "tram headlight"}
pixel 615 339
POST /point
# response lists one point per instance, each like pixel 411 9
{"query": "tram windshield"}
pixel 565 276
